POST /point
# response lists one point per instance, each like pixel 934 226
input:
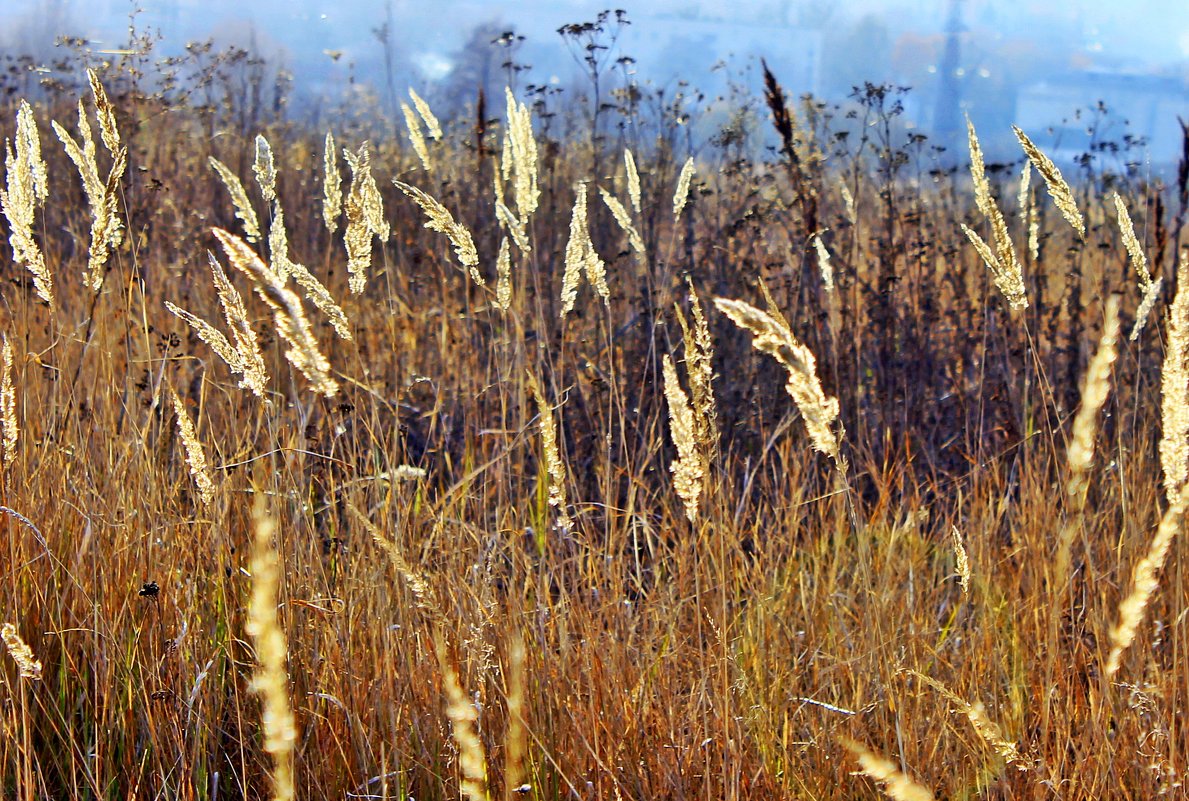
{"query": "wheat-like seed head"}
pixel 105 112
pixel 553 461
pixel 629 163
pixel 1144 583
pixel 1010 281
pixel 1174 390
pixel 265 169
pixel 689 468
pixel 823 263
pixel 239 199
pixel 195 455
pixel 1004 265
pixel 777 340
pixel 515 227
pixel 211 336
pixel 896 785
pixel 699 367
pixel 320 296
pixel 581 256
pixel 27 188
pixel 8 404
pixel 848 202
pixel 365 217
pixel 413 125
pixel 439 219
pixel 288 314
pixel 976 713
pixel 431 122
pixel 1149 289
pixel 278 243
pixel 271 679
pixel 961 558
pixel 1029 215
pixel 681 194
pixel 520 156
pixel 247 348
pixel 332 185
pixel 27 665
pixel 1058 189
pixel 472 761
pixel 503 270
pixel 624 219
pixel 1095 390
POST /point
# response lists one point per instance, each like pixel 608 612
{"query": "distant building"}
pixel 1059 112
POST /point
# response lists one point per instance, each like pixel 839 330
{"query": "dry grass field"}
pixel 500 458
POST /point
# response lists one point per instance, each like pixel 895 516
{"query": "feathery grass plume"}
pixel 254 373
pixel 271 679
pixel 472 761
pixel 503 271
pixel 239 198
pixel 1004 265
pixel 629 163
pixel 440 220
pixel 1174 390
pixel 432 126
pixel 105 112
pixel 581 256
pixel 1149 289
pixel 689 467
pixel 278 244
pixel 514 226
pixel 681 194
pixel 27 665
pixel 332 185
pixel 1144 583
pixel 699 367
pixel 553 461
pixel 1095 390
pixel 288 314
pixel 1058 189
pixel 8 404
pixel 848 201
pixel 773 336
pixel 520 145
pixel 211 336
pixel 1029 216
pixel 106 228
pixel 320 296
pixel 823 263
pixel 365 217
pixel 27 188
pixel 962 559
pixel 415 137
pixel 422 595
pixel 265 169
pixel 896 785
pixel 625 221
pixel 200 470
pixel 515 737
pixel 976 713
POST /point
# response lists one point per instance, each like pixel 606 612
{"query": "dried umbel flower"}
pixel 332 185
pixel 265 169
pixel 689 468
pixel 681 194
pixel 195 455
pixel 1058 189
pixel 440 220
pixel 26 189
pixel 288 314
pixel 271 680
pixel 581 257
pixel 8 405
pixel 28 666
pixel 896 785
pixel 773 336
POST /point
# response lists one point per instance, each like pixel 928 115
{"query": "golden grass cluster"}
pixel 379 512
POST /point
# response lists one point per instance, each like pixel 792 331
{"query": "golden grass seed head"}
pixel 247 347
pixel 688 468
pixel 823 263
pixel 472 760
pixel 554 464
pixel 1058 189
pixel 681 193
pixel 432 126
pixel 239 199
pixel 19 200
pixel 195 454
pixel 8 404
pixel 28 667
pixel 624 219
pixel 439 219
pixel 105 112
pixel 633 177
pixel 265 169
pixel 503 270
pixel 413 125
pixel 896 785
pixel 332 185
pixel 1174 390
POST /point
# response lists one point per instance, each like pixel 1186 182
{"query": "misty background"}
pixel 1075 75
